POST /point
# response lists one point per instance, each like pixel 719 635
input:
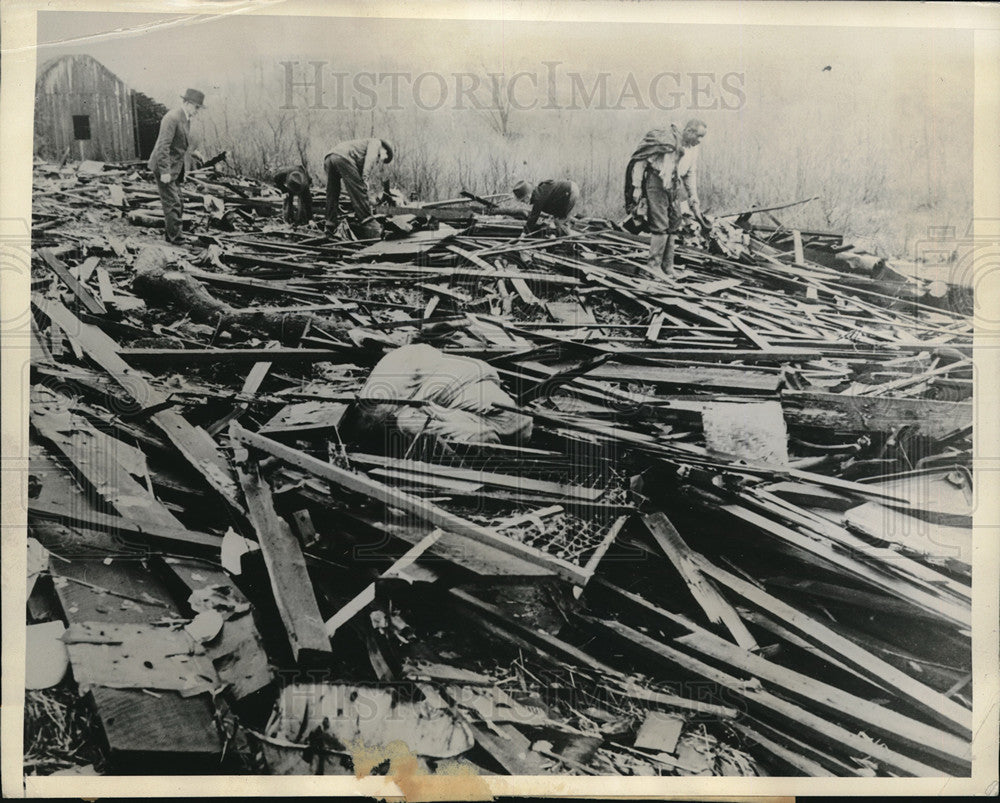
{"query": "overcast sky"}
pixel 923 72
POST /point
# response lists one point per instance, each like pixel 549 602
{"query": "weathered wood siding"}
pixel 78 85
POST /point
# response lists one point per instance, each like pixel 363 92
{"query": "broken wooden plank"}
pixel 522 289
pixel 155 356
pixel 863 414
pixel 98 458
pixel 83 294
pixel 875 719
pixel 655 327
pixel 511 749
pixel 105 287
pixel 425 511
pixel 193 443
pixel 830 733
pixel 800 256
pixel 935 605
pixel 39 350
pixel 237 652
pixel 715 606
pixel 561 653
pixel 511 481
pixel 739 380
pixel 945 711
pixel 412 246
pixel 802 764
pixel 286 566
pixel 769 624
pixel 598 554
pixel 145 733
pixel 367 596
pixel 131 532
pixel 717 286
pixel 756 338
pixel 254 379
pixel 86 268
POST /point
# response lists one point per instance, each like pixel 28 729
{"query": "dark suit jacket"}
pixel 171 145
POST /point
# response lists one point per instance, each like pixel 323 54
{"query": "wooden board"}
pixel 480 559
pixel 131 533
pixel 367 595
pixel 509 481
pixel 98 457
pixel 238 651
pixel 833 411
pixel 146 734
pixel 802 720
pixel 932 703
pixel 871 717
pixel 408 247
pixel 935 605
pixel 423 510
pixel 716 608
pixel 156 357
pixel 193 443
pixel 744 380
pixel 83 294
pixel 254 379
pixel 286 567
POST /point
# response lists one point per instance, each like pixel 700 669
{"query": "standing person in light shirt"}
pixel 667 159
pixel 350 164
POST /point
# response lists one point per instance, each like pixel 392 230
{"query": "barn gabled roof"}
pixel 47 66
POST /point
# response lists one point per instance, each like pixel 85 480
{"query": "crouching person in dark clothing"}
pixel 555 198
pixel 294 181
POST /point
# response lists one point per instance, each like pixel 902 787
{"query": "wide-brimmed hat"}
pixel 296 182
pixel 196 97
pixel 521 190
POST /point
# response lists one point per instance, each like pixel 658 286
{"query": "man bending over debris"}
pixel 351 162
pixel 556 198
pixel 167 160
pixel 668 158
pixel 293 180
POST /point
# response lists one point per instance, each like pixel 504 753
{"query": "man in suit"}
pixel 167 160
pixel 555 198
pixel 350 163
pixel 293 180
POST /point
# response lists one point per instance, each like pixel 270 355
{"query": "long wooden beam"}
pixel 425 511
pixel 833 411
pixel 874 718
pixel 76 286
pixel 925 699
pixel 829 732
pixel 192 442
pixel 715 606
pixel 286 567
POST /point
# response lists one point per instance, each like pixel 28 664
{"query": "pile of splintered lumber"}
pixel 736 542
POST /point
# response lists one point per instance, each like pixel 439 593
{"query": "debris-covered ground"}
pixel 505 504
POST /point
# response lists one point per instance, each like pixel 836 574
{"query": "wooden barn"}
pixel 81 105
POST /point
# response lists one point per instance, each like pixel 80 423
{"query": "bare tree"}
pixel 497 111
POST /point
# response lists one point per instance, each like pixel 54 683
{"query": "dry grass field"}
pixel 884 175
